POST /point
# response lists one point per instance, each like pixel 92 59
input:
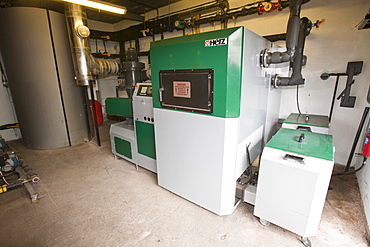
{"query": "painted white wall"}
pixel 110 46
pixel 100 26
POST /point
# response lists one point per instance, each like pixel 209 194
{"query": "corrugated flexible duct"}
pixel 87 67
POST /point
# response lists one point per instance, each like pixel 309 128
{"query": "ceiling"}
pixel 135 8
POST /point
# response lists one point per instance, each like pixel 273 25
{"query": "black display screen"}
pixel 144 90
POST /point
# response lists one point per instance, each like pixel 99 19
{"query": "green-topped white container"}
pixel 293 180
pixel 308 122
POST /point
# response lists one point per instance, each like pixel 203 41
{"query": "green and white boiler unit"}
pixel 212 109
pixel 134 142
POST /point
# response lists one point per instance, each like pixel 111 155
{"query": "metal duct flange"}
pixel 133 66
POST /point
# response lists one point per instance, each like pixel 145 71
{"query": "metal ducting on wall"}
pixel 36 53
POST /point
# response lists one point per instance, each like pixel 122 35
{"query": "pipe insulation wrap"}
pixel 300 59
pixel 87 67
pixel 278 57
pixel 292 38
pixel 293 27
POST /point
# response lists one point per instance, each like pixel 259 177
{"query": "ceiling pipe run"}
pixel 215 12
pixel 87 67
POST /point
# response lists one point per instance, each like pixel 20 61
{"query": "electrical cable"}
pixel 299 110
pixel 351 172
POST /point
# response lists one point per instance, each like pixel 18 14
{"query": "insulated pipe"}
pixel 293 27
pixel 87 67
pixel 299 60
pixel 292 34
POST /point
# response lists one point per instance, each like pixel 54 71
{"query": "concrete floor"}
pixel 91 199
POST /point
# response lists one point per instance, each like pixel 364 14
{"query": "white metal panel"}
pixel 291 194
pixel 147 163
pixel 254 86
pixel 196 157
pixel 259 103
pixel 249 194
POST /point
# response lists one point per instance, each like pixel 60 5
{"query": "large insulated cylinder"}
pixel 35 49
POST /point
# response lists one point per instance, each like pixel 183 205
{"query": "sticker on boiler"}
pixel 215 42
pixel 182 89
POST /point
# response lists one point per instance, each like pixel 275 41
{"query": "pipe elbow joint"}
pixel 278 81
pixel 268 58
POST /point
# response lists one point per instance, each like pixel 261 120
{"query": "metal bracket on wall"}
pixel 353 68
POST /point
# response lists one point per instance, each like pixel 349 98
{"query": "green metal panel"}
pixel 118 107
pixel 313 120
pixel 145 139
pixel 314 144
pixel 190 52
pixel 123 147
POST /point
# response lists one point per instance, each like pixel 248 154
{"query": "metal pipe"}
pixel 87 67
pixel 355 141
pixel 333 99
pixel 158 24
pixel 95 115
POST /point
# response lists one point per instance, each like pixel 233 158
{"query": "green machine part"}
pixel 145 139
pixel 123 147
pixel 218 50
pixel 314 144
pixel 119 107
